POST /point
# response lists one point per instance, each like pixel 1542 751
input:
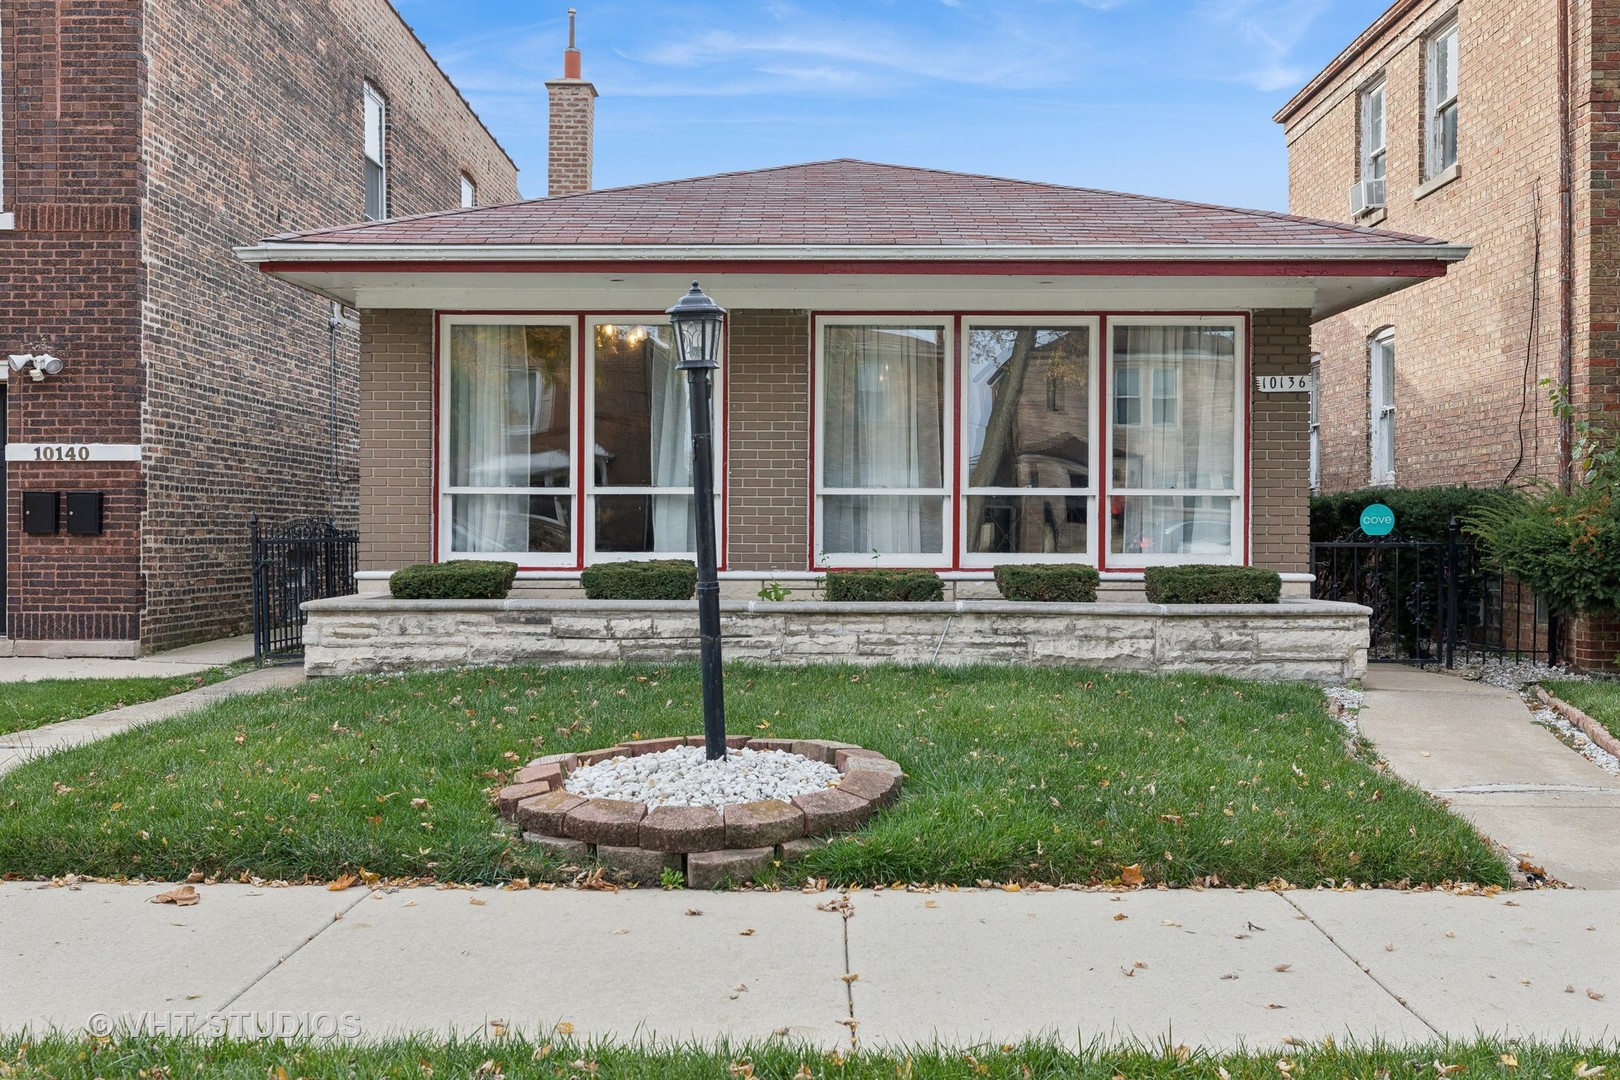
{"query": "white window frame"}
pixel 1435 107
pixel 374 147
pixel 1088 556
pixel 824 559
pixel 1373 161
pixel 1381 406
pixel 529 559
pixel 1238 505
pixel 469 192
pixel 593 491
pixel 1315 422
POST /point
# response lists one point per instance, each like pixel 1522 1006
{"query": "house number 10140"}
pixel 61 453
pixel 16 452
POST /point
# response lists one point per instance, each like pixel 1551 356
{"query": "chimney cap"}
pixel 571 54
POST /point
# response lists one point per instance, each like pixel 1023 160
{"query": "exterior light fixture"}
pixel 698 323
pixel 44 364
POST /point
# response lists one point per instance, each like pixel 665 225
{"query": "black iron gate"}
pixel 1434 602
pixel 307 559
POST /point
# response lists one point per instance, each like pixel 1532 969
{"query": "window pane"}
pixel 510 524
pixel 1171 525
pixel 1194 445
pixel 883 407
pixel 883 524
pixel 643 422
pixel 659 523
pixel 509 416
pixel 1028 524
pixel 1027 406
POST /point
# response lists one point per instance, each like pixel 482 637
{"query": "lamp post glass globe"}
pixel 698 322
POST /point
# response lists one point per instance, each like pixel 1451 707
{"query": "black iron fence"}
pixel 1434 602
pixel 306 559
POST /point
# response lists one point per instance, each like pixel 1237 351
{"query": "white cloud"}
pixel 1268 32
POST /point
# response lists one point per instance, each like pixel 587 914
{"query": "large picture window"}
pixel 520 399
pixel 882 406
pixel 1026 399
pixel 1174 444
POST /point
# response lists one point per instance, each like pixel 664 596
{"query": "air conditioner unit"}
pixel 1366 196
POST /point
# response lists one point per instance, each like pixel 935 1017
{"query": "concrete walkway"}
pixel 1215 969
pixel 187 660
pixel 1474 745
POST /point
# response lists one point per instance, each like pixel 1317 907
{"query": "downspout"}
pixel 1566 254
pixel 334 323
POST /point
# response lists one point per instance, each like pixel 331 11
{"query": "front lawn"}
pixel 153 1056
pixel 27 705
pixel 1597 699
pixel 1013 775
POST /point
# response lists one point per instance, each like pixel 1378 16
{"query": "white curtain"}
pixel 881 429
pixel 674 527
pixel 489 438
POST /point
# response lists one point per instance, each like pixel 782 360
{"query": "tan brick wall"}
pixel 1280 344
pixel 768 524
pixel 1468 405
pixel 573 122
pixel 396 439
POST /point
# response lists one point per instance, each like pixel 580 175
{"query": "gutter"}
pixel 384 254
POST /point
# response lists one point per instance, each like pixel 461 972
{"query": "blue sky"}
pixel 1160 97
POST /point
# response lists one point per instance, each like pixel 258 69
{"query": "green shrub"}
pixel 1200 584
pixel 651 579
pixel 1420 513
pixel 1050 583
pixel 884 586
pixel 458 579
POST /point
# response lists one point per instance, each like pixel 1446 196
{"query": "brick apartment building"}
pixel 140 142
pixel 1470 121
pixel 922 369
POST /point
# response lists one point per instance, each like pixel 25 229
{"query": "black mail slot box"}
pixel 84 513
pixel 39 513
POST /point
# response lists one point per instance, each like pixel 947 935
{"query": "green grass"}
pixel 28 705
pixel 1013 775
pixel 1599 700
pixel 69 1057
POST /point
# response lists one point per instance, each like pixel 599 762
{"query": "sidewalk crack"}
pixel 280 960
pixel 1363 968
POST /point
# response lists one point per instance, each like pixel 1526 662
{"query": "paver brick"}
pixel 562 847
pixel 615 822
pixel 550 774
pixel 653 746
pixel 593 757
pixel 545 813
pixel 873 785
pixel 821 750
pixel 637 864
pixel 756 824
pixel 683 828
pixel 709 869
pixel 507 799
pixel 832 811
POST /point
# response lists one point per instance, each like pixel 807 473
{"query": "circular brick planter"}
pixel 707 844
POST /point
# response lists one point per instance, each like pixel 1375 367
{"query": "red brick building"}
pixel 1495 124
pixel 139 143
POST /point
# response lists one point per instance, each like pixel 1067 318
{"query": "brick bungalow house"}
pixel 1494 123
pixel 138 144
pixel 922 368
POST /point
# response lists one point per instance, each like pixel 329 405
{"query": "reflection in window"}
pixel 503 436
pixel 882 439
pixel 1029 459
pixel 1174 478
pixel 1441 94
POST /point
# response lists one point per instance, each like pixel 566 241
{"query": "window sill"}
pixel 1372 218
pixel 8 221
pixel 1433 184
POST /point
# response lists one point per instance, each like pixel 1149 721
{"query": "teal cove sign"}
pixel 1378 520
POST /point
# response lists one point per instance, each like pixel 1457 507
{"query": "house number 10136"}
pixel 1284 384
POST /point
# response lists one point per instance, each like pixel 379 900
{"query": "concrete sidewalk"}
pixel 187 660
pixel 1475 746
pixel 1215 968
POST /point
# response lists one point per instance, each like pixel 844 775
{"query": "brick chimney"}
pixel 573 116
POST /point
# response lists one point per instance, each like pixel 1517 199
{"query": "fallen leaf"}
pixel 693 911
pixel 1282 967
pixel 1120 916
pixel 1131 875
pixel 345 881
pixel 746 933
pixel 476 902
pixel 497 1028
pixel 565 1028
pixel 1509 1061
pixel 1230 975
pixel 804 1073
pixel 1168 922
pixel 1447 1070
pixel 1274 1005
pixel 851 977
pixel 180 896
pixel 1594 995
pixel 1583 1070
pixel 931 903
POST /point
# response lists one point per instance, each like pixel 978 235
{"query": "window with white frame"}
pixel 376 137
pixel 519 400
pixel 1381 425
pixel 1316 422
pixel 1176 481
pixel 882 399
pixel 1372 137
pixel 1027 470
pixel 469 191
pixel 1440 101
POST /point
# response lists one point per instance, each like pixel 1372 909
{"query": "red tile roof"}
pixel 847 203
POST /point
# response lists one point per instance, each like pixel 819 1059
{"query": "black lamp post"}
pixel 698 322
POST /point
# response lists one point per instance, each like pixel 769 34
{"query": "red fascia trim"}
pixel 1419 268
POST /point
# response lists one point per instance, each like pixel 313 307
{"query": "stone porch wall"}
pixel 1295 639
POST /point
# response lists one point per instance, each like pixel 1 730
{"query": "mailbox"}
pixel 84 513
pixel 39 513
